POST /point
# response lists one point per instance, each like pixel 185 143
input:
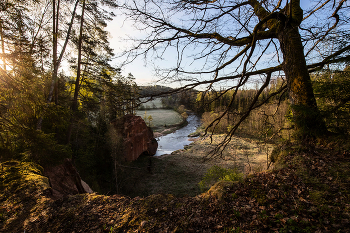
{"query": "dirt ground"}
pixel 180 172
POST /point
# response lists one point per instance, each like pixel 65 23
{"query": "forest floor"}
pixel 307 191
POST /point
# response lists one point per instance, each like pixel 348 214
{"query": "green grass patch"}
pixel 160 117
pixel 216 173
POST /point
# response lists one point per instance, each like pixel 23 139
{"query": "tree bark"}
pixel 306 116
pixel 54 56
pixel 55 76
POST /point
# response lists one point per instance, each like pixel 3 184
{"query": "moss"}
pixel 219 189
pixel 17 176
pixel 259 195
pixel 21 188
pixel 297 13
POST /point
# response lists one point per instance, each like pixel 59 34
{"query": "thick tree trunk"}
pixel 306 116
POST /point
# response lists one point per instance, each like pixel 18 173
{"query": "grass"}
pixel 180 173
pixel 161 118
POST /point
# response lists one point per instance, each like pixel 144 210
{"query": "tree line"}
pixel 219 43
pixel 58 89
pixel 274 120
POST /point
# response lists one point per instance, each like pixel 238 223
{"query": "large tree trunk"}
pixel 306 116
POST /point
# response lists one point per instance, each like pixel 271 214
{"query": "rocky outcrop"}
pixel 138 138
pixel 65 180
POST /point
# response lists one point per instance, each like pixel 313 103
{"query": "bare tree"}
pixel 56 61
pixel 236 41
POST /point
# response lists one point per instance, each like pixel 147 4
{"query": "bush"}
pixel 184 115
pixel 181 109
pixel 216 173
pixel 42 148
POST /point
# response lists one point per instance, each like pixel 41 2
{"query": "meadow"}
pixel 162 119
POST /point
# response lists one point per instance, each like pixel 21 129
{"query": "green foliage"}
pixel 333 98
pixel 33 126
pixel 43 148
pixel 305 118
pixel 216 173
pixel 92 155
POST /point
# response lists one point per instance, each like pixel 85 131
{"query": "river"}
pixel 177 140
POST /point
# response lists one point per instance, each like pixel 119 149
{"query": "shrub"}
pixel 43 149
pixel 184 115
pixel 181 109
pixel 216 173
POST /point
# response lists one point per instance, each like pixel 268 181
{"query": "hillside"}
pixel 308 191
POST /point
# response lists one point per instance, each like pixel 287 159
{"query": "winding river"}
pixel 177 140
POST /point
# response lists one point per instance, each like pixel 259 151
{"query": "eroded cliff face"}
pixel 138 138
pixel 65 180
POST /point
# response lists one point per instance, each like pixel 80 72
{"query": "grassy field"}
pixel 180 172
pixel 161 118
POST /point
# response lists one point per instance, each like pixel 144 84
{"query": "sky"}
pixel 143 71
pixel 119 30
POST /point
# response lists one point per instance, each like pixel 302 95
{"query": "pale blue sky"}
pixel 120 29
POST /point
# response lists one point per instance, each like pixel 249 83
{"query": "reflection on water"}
pixel 178 139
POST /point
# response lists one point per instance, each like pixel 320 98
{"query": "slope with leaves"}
pixel 308 193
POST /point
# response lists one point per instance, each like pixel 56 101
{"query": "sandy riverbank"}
pixel 180 172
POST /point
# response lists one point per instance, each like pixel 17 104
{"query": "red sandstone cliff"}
pixel 65 180
pixel 138 138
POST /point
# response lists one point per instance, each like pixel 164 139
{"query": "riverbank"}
pixel 179 138
pixel 309 192
pixel 180 172
pixel 168 129
pixel 162 121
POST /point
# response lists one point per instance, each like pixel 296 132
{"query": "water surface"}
pixel 177 140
